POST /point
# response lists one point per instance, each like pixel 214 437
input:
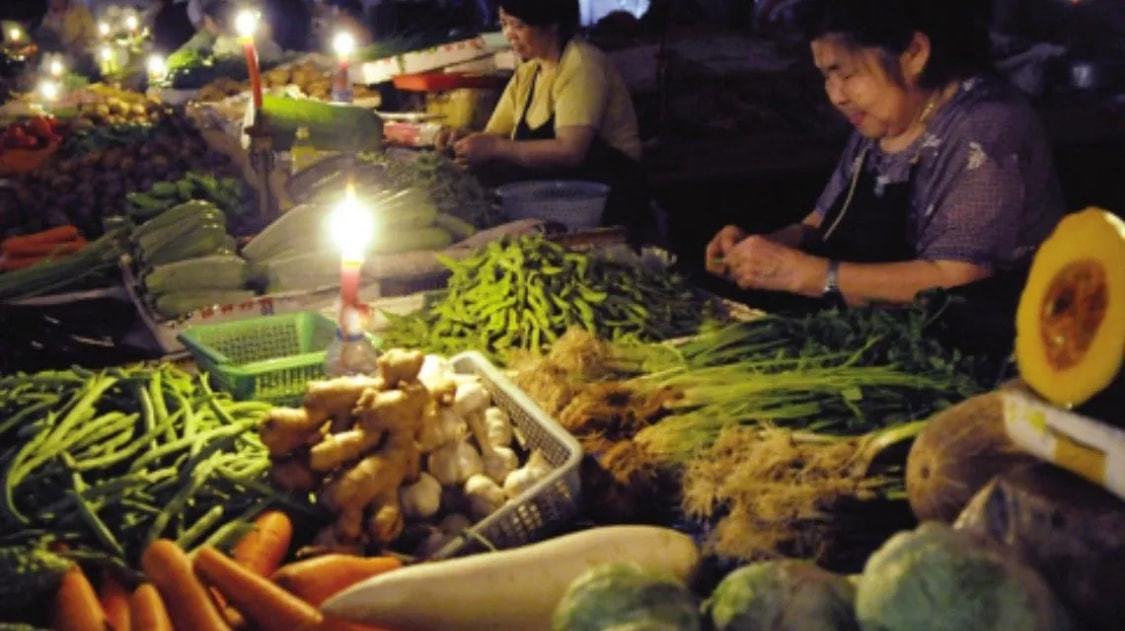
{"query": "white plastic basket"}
pixel 577 204
pixel 545 507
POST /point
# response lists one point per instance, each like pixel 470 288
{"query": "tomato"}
pixel 40 127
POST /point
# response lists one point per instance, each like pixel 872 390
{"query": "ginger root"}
pixel 335 398
pixel 283 430
pixel 399 366
pixel 293 475
pixel 336 449
pixel 393 410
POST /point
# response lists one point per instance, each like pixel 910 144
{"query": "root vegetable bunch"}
pixel 354 442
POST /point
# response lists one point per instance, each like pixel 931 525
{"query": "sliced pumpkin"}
pixel 1070 324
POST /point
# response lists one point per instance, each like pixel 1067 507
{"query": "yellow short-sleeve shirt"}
pixel 583 90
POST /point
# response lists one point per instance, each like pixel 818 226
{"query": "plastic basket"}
pixel 577 204
pixel 548 505
pixel 270 358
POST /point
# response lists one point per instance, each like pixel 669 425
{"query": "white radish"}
pixel 510 589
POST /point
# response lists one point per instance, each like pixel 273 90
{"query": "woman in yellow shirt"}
pixel 566 113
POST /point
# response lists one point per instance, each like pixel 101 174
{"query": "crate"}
pixel 547 506
pixel 268 358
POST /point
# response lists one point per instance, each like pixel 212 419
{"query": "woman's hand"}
pixel 720 247
pixel 758 263
pixel 447 137
pixel 478 148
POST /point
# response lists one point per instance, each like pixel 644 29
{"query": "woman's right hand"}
pixel 720 246
pixel 445 139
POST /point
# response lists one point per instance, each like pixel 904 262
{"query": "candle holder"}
pixel 263 162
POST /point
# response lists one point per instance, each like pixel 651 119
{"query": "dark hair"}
pixel 354 8
pixel 559 13
pixel 222 12
pixel 958 31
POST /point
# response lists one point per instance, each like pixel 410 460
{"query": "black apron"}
pixel 628 202
pixel 869 223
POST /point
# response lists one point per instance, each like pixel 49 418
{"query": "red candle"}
pixel 349 283
pixel 255 74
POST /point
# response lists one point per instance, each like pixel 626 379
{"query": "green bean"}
pixel 18 417
pixel 201 526
pixel 144 441
pixel 86 511
pixel 181 444
pixel 198 477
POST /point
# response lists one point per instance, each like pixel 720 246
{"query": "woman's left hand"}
pixel 758 263
pixel 478 148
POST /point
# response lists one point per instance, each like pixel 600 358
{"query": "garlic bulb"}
pixel 498 426
pixel 422 499
pixel 485 496
pixel 471 397
pixel 454 463
pixel 499 462
pixel 526 476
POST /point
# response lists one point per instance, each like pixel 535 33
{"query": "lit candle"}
pixel 49 90
pixel 15 34
pixel 103 29
pixel 156 68
pixel 131 23
pixel 107 59
pixel 56 68
pixel 351 226
pixel 344 45
pixel 246 23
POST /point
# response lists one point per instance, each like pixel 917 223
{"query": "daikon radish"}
pixel 510 589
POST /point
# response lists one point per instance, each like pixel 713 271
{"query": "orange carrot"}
pixel 115 601
pixel 264 548
pixel 76 605
pixel 146 610
pixel 52 235
pixel 188 604
pixel 43 248
pixel 265 605
pixel 318 578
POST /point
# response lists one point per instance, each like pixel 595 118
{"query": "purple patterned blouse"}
pixel 985 191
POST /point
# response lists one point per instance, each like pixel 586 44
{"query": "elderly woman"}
pixel 566 113
pixel 946 181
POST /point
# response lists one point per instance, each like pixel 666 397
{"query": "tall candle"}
pixel 246 23
pixel 349 282
pixel 344 44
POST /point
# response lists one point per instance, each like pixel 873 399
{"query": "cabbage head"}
pixel 935 578
pixel 782 595
pixel 626 597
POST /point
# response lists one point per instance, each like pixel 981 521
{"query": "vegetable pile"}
pixel 29 249
pixel 397 450
pixel 525 293
pixel 91 264
pixel 453 189
pixel 107 462
pixel 226 193
pixel 311 79
pixel 34 133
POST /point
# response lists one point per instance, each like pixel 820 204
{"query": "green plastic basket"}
pixel 270 358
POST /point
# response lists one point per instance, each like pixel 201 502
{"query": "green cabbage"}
pixel 626 597
pixel 782 595
pixel 939 579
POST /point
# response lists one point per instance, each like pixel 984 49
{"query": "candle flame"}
pixel 107 54
pixel 103 28
pixel 351 225
pixel 245 23
pixel 343 44
pixel 131 23
pixel 14 34
pixel 56 68
pixel 49 90
pixel 156 66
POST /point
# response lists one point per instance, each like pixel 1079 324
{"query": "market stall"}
pixel 366 387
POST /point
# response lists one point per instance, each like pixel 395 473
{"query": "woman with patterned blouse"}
pixel 947 180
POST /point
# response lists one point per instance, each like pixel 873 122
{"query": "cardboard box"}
pixel 382 70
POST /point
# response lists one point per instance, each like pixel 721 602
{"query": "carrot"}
pixel 265 605
pixel 318 578
pixel 76 605
pixel 146 610
pixel 52 235
pixel 43 248
pixel 264 548
pixel 170 570
pixel 115 601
